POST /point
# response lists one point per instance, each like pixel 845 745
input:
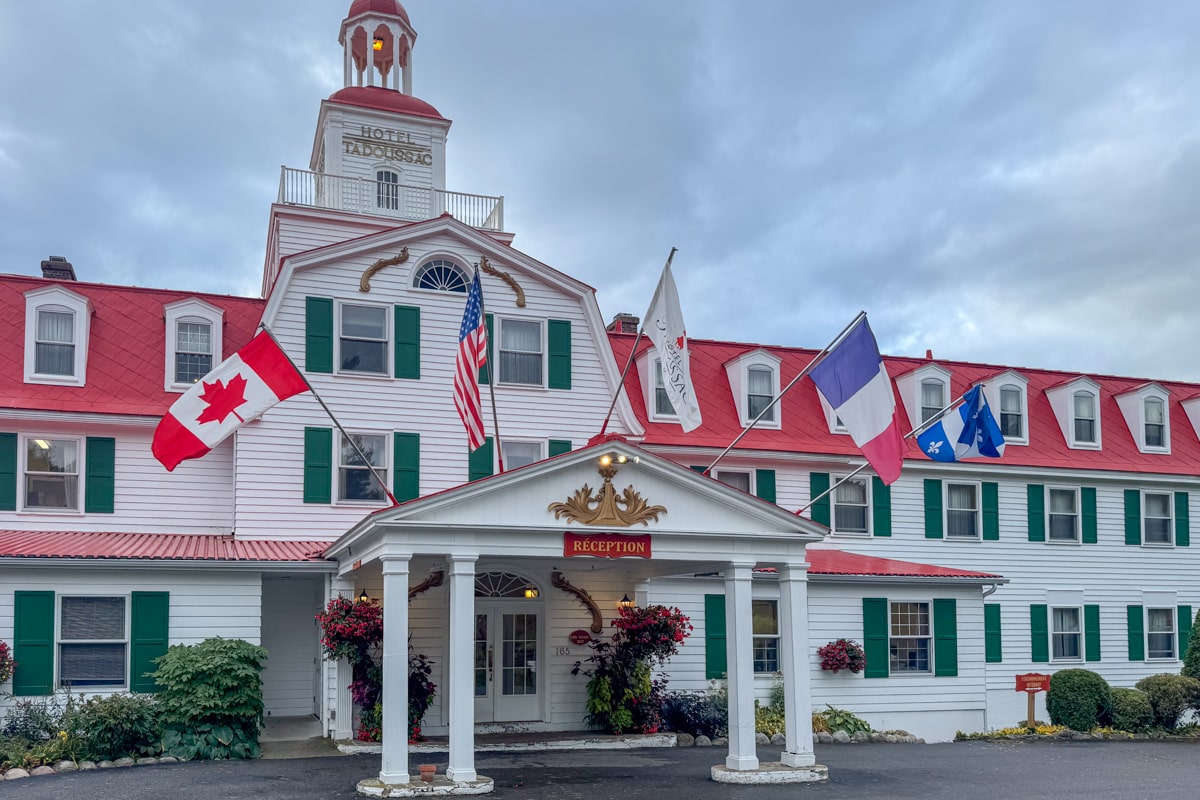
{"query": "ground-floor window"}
pixel 766 636
pixel 909 641
pixel 1065 634
pixel 1160 633
pixel 92 642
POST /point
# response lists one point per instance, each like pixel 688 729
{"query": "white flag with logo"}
pixel 664 325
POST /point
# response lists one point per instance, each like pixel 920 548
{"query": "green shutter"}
pixel 33 643
pixel 1039 634
pixel 1087 498
pixel 8 472
pixel 559 446
pixel 99 480
pixel 716 658
pixel 875 636
pixel 149 624
pixel 558 344
pixel 991 512
pixel 993 646
pixel 1185 629
pixel 1037 513
pixel 881 508
pixel 764 484
pixel 1182 520
pixel 933 508
pixel 1137 633
pixel 318 334
pixel 480 462
pixel 1133 517
pixel 818 483
pixel 406 466
pixel 1091 633
pixel 485 372
pixel 407 355
pixel 945 638
pixel 698 468
pixel 318 465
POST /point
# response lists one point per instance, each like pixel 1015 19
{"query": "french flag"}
pixel 853 380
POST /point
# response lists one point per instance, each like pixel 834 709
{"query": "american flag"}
pixel 472 354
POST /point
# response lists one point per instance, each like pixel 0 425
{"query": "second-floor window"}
pixel 355 481
pixel 54 344
pixel 1012 419
pixel 520 352
pixel 1156 429
pixel 736 479
pixel 760 389
pixel 850 505
pixel 193 351
pixel 1064 515
pixel 1156 522
pixel 520 454
pixel 933 398
pixel 51 473
pixel 1085 417
pixel 962 510
pixel 364 339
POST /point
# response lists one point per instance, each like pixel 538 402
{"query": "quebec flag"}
pixel 970 431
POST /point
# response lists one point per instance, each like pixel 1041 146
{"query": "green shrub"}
pixel 1191 660
pixel 697 713
pixel 1131 710
pixel 1079 699
pixel 211 702
pixel 118 725
pixel 838 719
pixel 1169 696
pixel 769 719
pixel 32 720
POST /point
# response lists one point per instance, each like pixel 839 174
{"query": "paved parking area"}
pixel 975 770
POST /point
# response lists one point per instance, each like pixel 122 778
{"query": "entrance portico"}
pixel 531 524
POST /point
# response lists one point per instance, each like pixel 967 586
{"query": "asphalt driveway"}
pixel 975 770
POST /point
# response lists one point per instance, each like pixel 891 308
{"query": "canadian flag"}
pixel 241 388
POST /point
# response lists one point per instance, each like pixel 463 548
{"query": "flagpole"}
pixel 345 436
pixel 917 431
pixel 632 353
pixel 811 365
pixel 493 374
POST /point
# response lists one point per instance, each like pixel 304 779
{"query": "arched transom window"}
pixel 441 276
pixel 503 584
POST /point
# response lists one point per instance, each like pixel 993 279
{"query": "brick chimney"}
pixel 58 268
pixel 624 323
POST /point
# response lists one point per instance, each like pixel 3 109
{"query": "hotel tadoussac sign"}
pixel 606 545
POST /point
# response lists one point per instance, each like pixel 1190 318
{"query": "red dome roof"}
pixel 384 99
pixel 391 7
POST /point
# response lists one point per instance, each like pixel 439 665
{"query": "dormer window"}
pixel 1084 406
pixel 760 382
pixel 1155 417
pixel 441 275
pixel 193 351
pixel 933 398
pixel 194 342
pixel 662 403
pixel 1012 412
pixel 387 190
pixel 57 322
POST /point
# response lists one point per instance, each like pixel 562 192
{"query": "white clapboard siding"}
pixel 290 635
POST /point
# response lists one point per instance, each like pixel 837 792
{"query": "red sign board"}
pixel 1033 682
pixel 606 545
pixel 580 637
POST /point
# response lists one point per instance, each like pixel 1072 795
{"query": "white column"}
pixel 459 670
pixel 394 72
pixel 370 59
pixel 343 719
pixel 739 621
pixel 395 669
pixel 348 60
pixel 408 68
pixel 793 662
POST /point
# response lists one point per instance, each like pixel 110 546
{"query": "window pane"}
pixel 852 491
pixel 359 484
pixel 360 356
pixel 523 368
pixel 194 337
pixel 191 367
pixel 51 455
pixel 1155 436
pixel 1154 411
pixel 54 359
pixel 372 446
pixel 1160 645
pixel 92 618
pixel 56 327
pixel 910 619
pixel 766 619
pixel 1066 645
pixel 766 655
pixel 523 336
pixel 51 491
pixel 961 496
pixel 759 380
pixel 738 480
pixel 909 654
pixel 1062 501
pixel 520 454
pixel 1084 406
pixel 81 665
pixel 365 322
pixel 1085 430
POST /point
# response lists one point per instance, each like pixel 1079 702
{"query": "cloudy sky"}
pixel 1013 183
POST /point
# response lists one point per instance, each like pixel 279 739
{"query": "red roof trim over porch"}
pixel 153 546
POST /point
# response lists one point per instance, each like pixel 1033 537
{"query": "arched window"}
pixel 933 398
pixel 504 584
pixel 1156 435
pixel 387 189
pixel 441 276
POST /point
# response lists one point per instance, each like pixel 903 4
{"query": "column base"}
pixel 771 772
pixel 742 763
pixel 440 785
pixel 797 759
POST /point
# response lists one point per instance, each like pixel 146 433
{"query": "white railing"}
pixel 382 199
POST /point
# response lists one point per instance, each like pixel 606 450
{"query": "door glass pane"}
pixel 481 646
pixel 519 654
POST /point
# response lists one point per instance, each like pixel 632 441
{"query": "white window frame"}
pixel 57 299
pixel 1077 633
pixel 1021 413
pixel 539 443
pixel 978 535
pixel 499 323
pixel 749 473
pixel 652 400
pixel 737 370
pixel 80 474
pixel 930 381
pixel 895 671
pixel 1076 442
pixel 1166 430
pixel 381 184
pixel 756 637
pixel 338 466
pixel 59 641
pixel 993 389
pixel 772 409
pixel 834 422
pixel 1078 515
pixel 190 310
pixel 388 329
pixel 836 481
pixel 1173 615
pixel 1170 542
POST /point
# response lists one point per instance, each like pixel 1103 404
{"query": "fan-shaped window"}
pixel 441 276
pixel 504 584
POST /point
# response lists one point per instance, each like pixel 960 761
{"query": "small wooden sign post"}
pixel 1031 683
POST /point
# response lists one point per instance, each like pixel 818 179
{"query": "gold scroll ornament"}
pixel 607 508
pixel 364 283
pixel 487 267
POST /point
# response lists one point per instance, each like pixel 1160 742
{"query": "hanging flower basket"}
pixel 6 663
pixel 843 654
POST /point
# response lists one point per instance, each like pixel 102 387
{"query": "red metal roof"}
pixel 805 429
pixel 839 562
pixel 384 100
pixel 126 352
pixel 157 546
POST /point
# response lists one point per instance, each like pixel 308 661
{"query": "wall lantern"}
pixel 362 598
pixel 531 592
pixel 625 602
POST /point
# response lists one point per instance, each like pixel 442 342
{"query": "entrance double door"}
pixel 506 662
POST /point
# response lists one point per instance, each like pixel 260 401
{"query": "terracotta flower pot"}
pixel 427 772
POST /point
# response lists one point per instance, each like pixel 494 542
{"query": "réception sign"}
pixel 606 545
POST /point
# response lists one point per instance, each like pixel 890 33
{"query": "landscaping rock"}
pixel 15 773
pixel 681 740
pixel 876 736
pixel 106 764
pixel 860 736
pixel 145 762
pixel 703 741
pixel 720 741
pixel 890 738
pixel 1081 737
pixel 841 737
pixel 65 766
pixel 39 771
pixel 779 740
pixel 174 760
pixel 123 762
pixel 762 738
pixel 825 738
pixel 84 766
